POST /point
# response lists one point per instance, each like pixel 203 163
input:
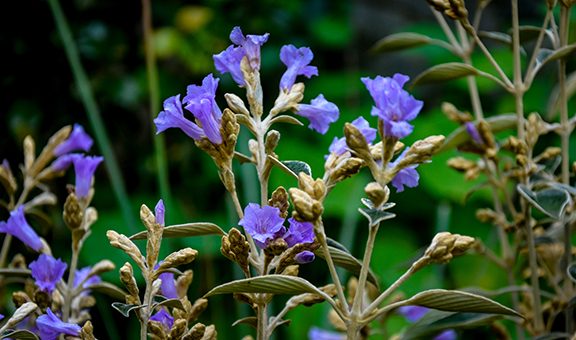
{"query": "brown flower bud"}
pixel 19 298
pixel 315 188
pixel 456 115
pixel 177 258
pixel 127 278
pixel 445 246
pixel 87 331
pixel 20 314
pixel 346 168
pixel 356 141
pixel 47 153
pixel 271 142
pixel 279 199
pixel 288 100
pixel 7 178
pixel 178 329
pixel 198 307
pixel 307 208
pixel 291 270
pixel 123 243
pixel 236 104
pixel 376 193
pixel 73 213
pixel 183 282
pixel 157 330
pixel 276 247
pixel 29 152
pixel 195 333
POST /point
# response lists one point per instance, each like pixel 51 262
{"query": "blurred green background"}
pixel 38 95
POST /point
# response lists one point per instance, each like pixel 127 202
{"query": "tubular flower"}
pixel 229 60
pixel 50 326
pixel 164 318
pixel 304 257
pixel 406 177
pixel 262 223
pixel 200 100
pixel 78 140
pixel 159 212
pixel 85 166
pixel 168 285
pixel 415 313
pixel 18 227
pixel 473 132
pixel 316 333
pixel 173 117
pixel 394 106
pixel 339 146
pixel 320 113
pixel 299 232
pixel 47 272
pixel 297 60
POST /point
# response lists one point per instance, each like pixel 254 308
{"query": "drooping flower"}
pixel 473 132
pixel 159 212
pixel 168 285
pixel 408 176
pixel 304 257
pixel 173 117
pixel 47 272
pixel 320 113
pixel 164 318
pixel 394 105
pixel 262 223
pixel 228 61
pixel 316 333
pixel 339 146
pixel 63 162
pixel 50 326
pixel 85 166
pixel 299 232
pixel 18 227
pixel 415 313
pixel 201 101
pixel 78 140
pixel 82 274
pixel 297 60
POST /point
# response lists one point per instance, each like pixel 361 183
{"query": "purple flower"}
pixel 448 334
pixel 415 313
pixel 18 227
pixel 299 232
pixel 200 100
pixel 173 117
pixel 262 223
pixel 339 146
pixel 168 286
pixel 304 257
pixel 406 177
pixel 63 162
pixel 78 140
pixel 159 212
pixel 50 326
pixel 229 60
pixel 320 112
pixel 473 132
pixel 394 106
pixel 82 274
pixel 1 316
pixel 164 318
pixel 316 333
pixel 47 272
pixel 297 60
pixel 85 166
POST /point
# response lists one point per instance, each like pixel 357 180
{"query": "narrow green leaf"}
pixel 551 201
pixel 108 289
pixel 345 260
pixel 298 167
pixel 273 284
pixel 444 72
pixel 458 301
pixel 20 334
pixel 572 271
pixel 435 321
pixel 400 41
pixel 125 308
pixel 185 230
pixel 172 303
pixel 375 216
pixel 496 36
pixel 497 123
pixel 249 320
pixel 545 56
pixel 528 33
pixel 285 119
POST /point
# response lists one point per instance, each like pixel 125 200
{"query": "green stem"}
pixel 93 114
pixel 154 101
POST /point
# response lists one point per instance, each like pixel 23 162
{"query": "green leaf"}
pixel 345 260
pixel 435 321
pixel 375 215
pixel 298 167
pixel 286 119
pixel 497 123
pixel 572 271
pixel 551 201
pixel 528 33
pixel 545 56
pixel 444 72
pixel 400 41
pixel 21 334
pixel 458 301
pixel 273 284
pixel 496 36
pixel 125 308
pixel 108 289
pixel 185 230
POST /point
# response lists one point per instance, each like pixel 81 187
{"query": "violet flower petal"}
pixel 47 272
pixel 165 319
pixel 299 232
pixel 18 227
pixel 228 61
pixel 262 223
pixel 63 162
pixel 338 145
pixel 159 212
pixel 320 112
pixel 316 333
pixel 173 117
pixel 50 326
pixel 250 44
pixel 412 313
pixel 297 60
pixel 474 134
pixel 304 257
pixel 78 140
pixel 201 101
pixel 85 167
pixel 168 285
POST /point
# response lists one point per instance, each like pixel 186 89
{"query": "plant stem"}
pixel 145 311
pixel 70 285
pixel 472 85
pixel 93 114
pixel 154 100
pixel 357 303
pixel 262 331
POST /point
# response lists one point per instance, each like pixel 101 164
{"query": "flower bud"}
pixel 454 114
pixel 279 200
pixel 376 193
pixel 73 213
pixel 306 208
pixel 271 141
pixel 236 104
pixel 177 258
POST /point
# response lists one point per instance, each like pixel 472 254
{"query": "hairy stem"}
pixel 262 330
pixel 472 85
pixel 70 285
pixel 357 304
